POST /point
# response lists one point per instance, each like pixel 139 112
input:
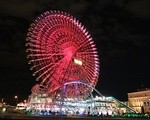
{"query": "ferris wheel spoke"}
pixel 83 45
pixel 30 44
pixel 41 59
pixel 48 58
pixel 62 70
pixel 45 78
pixel 87 78
pixel 91 61
pixel 89 53
pixel 51 44
pixel 90 67
pixel 45 55
pixel 36 50
pixel 67 74
pixel 43 68
pixel 39 48
pixel 53 87
pixel 48 70
pixel 89 71
pixel 52 64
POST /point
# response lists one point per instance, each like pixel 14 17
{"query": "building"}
pixel 42 104
pixel 140 100
pixel 146 106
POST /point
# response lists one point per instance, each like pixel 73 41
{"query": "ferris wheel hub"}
pixel 69 52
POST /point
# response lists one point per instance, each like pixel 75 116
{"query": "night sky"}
pixel 120 29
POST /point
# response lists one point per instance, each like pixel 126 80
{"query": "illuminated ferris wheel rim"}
pixel 56 40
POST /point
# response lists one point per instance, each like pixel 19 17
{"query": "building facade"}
pixel 146 106
pixel 140 100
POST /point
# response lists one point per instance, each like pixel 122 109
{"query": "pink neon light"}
pixel 54 41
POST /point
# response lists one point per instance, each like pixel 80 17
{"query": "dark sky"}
pixel 120 29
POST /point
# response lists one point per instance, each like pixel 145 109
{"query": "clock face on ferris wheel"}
pixel 61 50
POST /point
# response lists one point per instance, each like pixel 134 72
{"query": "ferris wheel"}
pixel 61 50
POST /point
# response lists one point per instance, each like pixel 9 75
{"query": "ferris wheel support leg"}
pixel 93 102
pixel 63 92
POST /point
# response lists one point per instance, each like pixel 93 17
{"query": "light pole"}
pixel 16 98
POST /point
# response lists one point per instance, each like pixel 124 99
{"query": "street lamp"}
pixel 16 97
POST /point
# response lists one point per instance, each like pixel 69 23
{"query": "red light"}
pixel 61 50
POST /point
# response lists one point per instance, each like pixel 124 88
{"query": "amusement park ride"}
pixel 65 60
